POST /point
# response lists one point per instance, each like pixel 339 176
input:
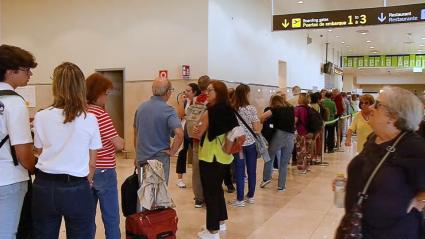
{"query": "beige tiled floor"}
pixel 304 211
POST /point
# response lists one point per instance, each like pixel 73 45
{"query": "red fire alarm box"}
pixel 186 72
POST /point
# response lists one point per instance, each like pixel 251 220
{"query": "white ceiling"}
pixel 386 39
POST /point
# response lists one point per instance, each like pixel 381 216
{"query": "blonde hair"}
pixel 69 91
pixel 367 97
pixel 303 99
pixel 277 101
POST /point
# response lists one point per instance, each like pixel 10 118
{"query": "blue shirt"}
pixel 154 122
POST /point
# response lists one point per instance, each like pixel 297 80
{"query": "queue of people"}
pixel 76 141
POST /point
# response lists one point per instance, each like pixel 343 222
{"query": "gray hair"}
pixel 160 86
pixel 296 90
pixel 405 106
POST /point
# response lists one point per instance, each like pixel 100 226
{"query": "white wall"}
pixel 140 36
pixel 348 82
pixel 392 79
pixel 241 46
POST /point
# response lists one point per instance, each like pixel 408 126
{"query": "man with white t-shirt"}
pixel 15 71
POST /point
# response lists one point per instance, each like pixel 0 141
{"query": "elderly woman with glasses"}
pixel 359 124
pixel 397 192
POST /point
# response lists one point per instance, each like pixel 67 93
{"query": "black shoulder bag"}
pixel 260 141
pixel 350 226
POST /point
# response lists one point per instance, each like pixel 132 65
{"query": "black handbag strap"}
pixel 390 149
pixel 246 125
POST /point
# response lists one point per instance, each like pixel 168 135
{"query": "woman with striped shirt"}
pixel 105 177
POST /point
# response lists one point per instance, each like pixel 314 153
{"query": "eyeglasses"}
pixel 27 70
pixel 210 90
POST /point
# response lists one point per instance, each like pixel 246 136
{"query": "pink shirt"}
pixel 301 112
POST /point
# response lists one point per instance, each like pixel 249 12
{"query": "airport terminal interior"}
pixel 355 46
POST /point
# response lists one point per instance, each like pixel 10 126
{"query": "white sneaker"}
pixel 205 234
pixel 180 183
pixel 249 200
pixel 223 227
pixel 263 184
pixel 237 203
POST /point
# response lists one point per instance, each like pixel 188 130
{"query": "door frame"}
pixel 124 76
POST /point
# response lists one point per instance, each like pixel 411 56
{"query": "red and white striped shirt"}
pixel 106 155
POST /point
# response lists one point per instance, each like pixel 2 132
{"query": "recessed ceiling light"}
pixel 420 50
pixel 350 50
pixel 336 36
pixel 364 32
pixel 343 42
pixel 372 47
pixel 423 38
pixel 421 45
pixel 347 46
pixel 368 41
pixel 300 2
pixel 329 30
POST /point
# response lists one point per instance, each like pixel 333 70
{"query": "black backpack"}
pixel 314 121
pixel 129 195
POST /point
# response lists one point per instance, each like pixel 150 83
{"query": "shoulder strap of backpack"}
pixel 4 140
pixel 9 92
pixel 12 149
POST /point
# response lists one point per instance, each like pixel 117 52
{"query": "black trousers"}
pixel 212 175
pixel 294 155
pixel 181 158
pixel 330 136
pixel 228 175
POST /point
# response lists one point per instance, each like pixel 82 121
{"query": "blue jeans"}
pixel 250 158
pixel 283 141
pixel 53 200
pixel 11 200
pixel 105 191
pixel 276 160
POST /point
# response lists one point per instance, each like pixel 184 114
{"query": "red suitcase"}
pixel 156 224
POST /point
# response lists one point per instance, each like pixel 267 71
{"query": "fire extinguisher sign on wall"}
pixel 186 72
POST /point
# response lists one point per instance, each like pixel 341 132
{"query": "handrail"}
pixel 341 117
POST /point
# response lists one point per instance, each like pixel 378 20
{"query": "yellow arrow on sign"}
pixel 285 24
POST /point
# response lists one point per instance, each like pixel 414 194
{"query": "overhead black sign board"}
pixel 350 18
